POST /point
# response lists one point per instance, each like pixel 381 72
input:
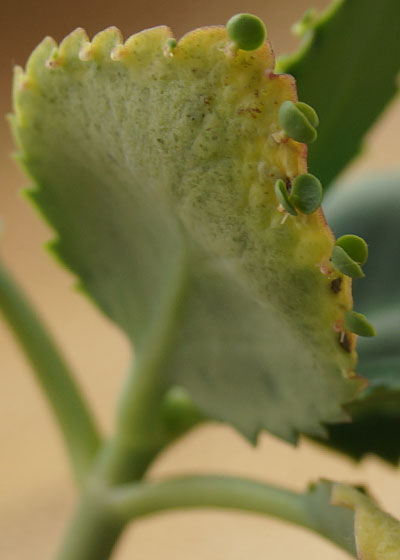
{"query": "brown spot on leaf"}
pixel 336 284
pixel 252 111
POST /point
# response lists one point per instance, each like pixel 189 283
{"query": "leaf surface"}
pixel 346 69
pixel 370 208
pixel 157 170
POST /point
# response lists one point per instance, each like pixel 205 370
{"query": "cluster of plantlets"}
pixel 174 174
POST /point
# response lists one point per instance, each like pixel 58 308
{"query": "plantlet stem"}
pixel 74 419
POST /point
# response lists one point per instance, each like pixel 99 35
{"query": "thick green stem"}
pixel 141 430
pixel 140 418
pixel 93 532
pixel 139 500
pixel 96 526
pixel 141 433
pixel 76 423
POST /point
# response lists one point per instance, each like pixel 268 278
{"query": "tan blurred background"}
pixel 36 491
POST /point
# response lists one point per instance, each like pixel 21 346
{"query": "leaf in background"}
pixel 156 167
pixel 371 208
pixel 346 69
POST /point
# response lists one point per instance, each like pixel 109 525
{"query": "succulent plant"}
pixel 174 175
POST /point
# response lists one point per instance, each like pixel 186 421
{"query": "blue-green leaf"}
pixel 346 69
pixel 370 208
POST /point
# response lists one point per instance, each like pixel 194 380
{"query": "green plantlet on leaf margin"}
pixel 172 43
pixel 308 112
pixel 345 264
pixel 299 121
pixel 357 323
pixel 355 247
pixel 306 194
pixel 170 46
pixel 283 197
pixel 246 31
pixel 349 253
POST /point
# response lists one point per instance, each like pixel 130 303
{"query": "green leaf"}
pixel 157 171
pixel 370 208
pixel 346 69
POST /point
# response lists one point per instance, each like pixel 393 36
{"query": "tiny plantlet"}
pixel 299 121
pixel 344 263
pixel 246 32
pixel 167 208
pixel 171 43
pixel 283 197
pixel 355 247
pixel 358 324
pixel 306 193
pixel 170 46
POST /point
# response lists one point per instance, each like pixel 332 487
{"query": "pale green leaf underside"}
pixel 158 171
pixel 347 69
pixel 371 208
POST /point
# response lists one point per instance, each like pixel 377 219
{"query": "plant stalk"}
pixel 199 491
pixel 226 492
pixel 93 532
pixel 141 433
pixel 54 376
